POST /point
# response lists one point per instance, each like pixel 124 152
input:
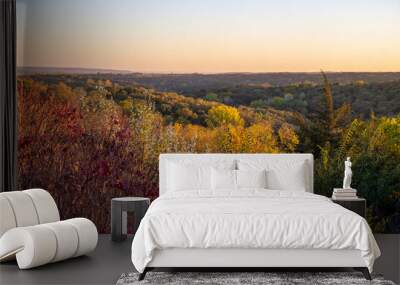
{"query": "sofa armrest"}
pixel 32 246
pixel 40 244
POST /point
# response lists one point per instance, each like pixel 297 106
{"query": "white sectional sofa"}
pixel 31 231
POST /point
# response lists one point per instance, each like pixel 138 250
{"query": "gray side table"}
pixel 119 208
pixel 357 205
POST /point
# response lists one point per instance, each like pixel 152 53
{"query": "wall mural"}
pixel 104 87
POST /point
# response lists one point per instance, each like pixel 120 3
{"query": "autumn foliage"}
pixel 85 148
pixel 89 143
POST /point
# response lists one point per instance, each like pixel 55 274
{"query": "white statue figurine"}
pixel 347 174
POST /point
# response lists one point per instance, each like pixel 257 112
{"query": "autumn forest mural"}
pixel 88 133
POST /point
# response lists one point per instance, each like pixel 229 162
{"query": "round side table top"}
pixel 130 199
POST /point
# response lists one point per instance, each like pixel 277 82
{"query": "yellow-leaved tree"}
pixel 223 115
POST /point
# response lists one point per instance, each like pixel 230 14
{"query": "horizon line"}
pixel 116 70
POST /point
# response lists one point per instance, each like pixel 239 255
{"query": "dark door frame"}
pixel 8 96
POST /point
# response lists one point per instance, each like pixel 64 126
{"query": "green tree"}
pixel 211 96
pixel 278 102
pixel 325 127
pixel 258 104
pixel 374 147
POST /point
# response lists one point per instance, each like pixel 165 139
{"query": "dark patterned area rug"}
pixel 268 278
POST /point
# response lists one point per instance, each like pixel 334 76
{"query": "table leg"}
pixel 124 218
pixel 117 223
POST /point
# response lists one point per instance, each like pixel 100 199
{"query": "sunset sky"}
pixel 210 35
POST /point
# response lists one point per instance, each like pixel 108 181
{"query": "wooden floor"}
pixel 110 259
pixel 103 266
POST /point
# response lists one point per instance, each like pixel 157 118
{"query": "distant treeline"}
pixel 367 93
pixel 365 98
pixel 186 83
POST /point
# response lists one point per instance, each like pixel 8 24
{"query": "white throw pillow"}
pixel 251 178
pixel 281 175
pixel 183 178
pixel 292 178
pixel 224 179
